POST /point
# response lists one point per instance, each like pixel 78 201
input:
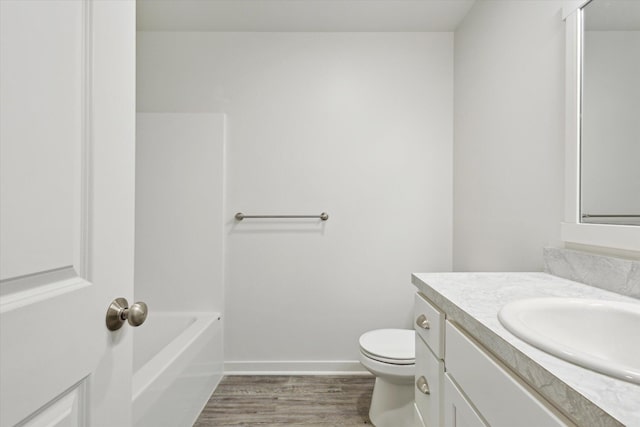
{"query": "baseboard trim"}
pixel 296 367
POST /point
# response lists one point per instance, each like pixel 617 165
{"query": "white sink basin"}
pixel 600 335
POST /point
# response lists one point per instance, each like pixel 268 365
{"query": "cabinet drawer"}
pixel 429 324
pixel 458 412
pixel 431 370
pixel 500 397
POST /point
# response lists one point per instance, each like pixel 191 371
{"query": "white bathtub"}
pixel 177 364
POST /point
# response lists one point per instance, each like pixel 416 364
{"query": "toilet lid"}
pixel 390 344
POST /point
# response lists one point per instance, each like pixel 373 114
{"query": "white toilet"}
pixel 390 355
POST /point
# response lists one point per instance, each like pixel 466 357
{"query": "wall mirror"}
pixel 610 119
pixel 602 126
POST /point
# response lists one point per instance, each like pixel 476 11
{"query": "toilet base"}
pixel 392 404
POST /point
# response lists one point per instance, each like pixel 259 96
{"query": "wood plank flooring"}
pixel 289 400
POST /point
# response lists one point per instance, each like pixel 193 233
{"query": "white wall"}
pixel 355 124
pixel 509 134
pixel 611 125
pixel 179 212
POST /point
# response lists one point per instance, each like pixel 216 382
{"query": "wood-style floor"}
pixel 289 400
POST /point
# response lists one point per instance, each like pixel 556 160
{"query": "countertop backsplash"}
pixel 613 274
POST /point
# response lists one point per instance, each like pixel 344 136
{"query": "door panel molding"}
pixel 46 98
pixel 64 411
pixel 83 258
pixel 31 288
pixel 82 181
pixel 38 325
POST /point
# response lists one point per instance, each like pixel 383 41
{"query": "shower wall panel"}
pixel 179 206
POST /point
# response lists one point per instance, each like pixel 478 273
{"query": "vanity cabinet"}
pixel 459 384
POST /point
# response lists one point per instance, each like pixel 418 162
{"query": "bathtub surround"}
pixel 613 274
pixel 179 211
pixel 355 124
pixel 179 245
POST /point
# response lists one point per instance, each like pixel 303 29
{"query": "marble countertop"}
pixel 473 300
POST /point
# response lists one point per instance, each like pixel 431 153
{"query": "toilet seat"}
pixel 388 360
pixel 393 346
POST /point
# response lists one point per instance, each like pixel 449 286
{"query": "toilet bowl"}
pixel 389 354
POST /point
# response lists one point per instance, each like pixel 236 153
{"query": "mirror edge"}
pixel 572 230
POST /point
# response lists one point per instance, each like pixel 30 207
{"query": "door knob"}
pixel 119 311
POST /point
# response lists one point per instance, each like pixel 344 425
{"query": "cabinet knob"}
pixel 423 385
pixel 423 322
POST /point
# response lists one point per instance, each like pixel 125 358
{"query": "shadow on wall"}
pixel 277 226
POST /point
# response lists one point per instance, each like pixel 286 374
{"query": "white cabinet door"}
pixel 458 412
pixel 67 144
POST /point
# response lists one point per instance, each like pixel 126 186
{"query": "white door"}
pixel 67 135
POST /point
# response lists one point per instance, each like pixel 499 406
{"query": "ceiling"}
pixel 612 15
pixel 301 15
